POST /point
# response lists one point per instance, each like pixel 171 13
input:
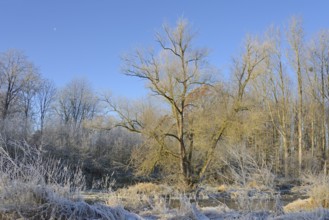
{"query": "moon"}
pixel 55 29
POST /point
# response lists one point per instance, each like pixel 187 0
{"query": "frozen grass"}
pixel 143 197
pixel 316 187
pixel 152 201
pixel 33 187
pixel 163 202
pixel 320 214
pixel 301 205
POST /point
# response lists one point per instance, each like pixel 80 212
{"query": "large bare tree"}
pixel 172 75
pixel 176 75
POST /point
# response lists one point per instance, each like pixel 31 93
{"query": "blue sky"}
pixel 70 39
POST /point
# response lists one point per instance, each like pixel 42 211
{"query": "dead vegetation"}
pixel 316 187
pixel 34 188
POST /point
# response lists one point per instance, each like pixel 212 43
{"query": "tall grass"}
pixel 35 187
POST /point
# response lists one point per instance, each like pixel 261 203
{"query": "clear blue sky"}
pixel 67 39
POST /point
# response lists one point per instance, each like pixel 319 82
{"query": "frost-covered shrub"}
pixel 244 170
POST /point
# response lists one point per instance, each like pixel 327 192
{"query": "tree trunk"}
pixel 300 115
pixel 286 155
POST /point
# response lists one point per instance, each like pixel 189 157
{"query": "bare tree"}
pixel 27 97
pixel 45 97
pixel 16 73
pixel 318 75
pixel 172 76
pixel 296 42
pixel 76 102
pixel 245 69
pixel 176 76
pixel 277 87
